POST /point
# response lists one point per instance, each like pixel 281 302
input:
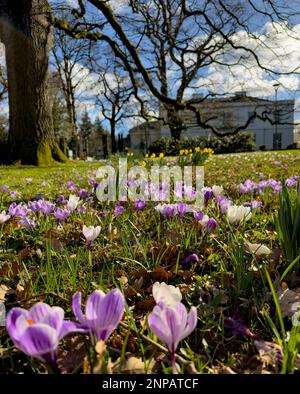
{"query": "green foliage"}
pixel 242 142
pixel 288 224
pixel 86 125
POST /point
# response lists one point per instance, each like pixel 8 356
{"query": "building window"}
pixel 277 141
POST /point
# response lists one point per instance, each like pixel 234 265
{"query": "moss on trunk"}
pixel 48 152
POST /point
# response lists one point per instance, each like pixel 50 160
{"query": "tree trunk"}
pixel 175 123
pixel 25 30
pixel 113 133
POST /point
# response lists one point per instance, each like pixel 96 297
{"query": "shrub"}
pixel 242 142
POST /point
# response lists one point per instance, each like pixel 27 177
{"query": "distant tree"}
pixel 98 140
pixel 25 30
pixel 69 58
pixel 114 99
pixel 86 128
pixel 63 128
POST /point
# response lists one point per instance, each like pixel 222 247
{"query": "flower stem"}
pixel 174 366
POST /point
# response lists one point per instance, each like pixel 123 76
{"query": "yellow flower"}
pixel 153 156
pixel 191 151
pixel 146 155
pixel 181 152
pixel 186 151
pixel 197 149
pixel 209 151
pixel 161 155
pixel 143 163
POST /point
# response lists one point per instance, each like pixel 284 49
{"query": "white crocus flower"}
pixel 91 232
pixel 238 213
pixel 204 220
pixel 217 190
pixel 4 217
pixel 167 294
pixel 73 202
pixel 258 249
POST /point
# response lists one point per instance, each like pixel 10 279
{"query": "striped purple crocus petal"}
pixel 93 305
pixel 39 311
pixel 16 323
pixel 176 318
pixel 40 341
pixel 110 313
pixel 159 326
pixel 76 306
pixel 191 323
pixel 103 312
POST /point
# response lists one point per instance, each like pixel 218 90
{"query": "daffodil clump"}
pixel 196 156
pixel 197 149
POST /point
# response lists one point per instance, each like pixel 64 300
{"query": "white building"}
pixel 228 114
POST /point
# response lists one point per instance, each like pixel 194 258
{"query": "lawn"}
pixel 236 272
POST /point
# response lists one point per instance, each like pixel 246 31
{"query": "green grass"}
pixel 52 262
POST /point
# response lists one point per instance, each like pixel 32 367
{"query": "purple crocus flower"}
pixel 171 324
pixel 13 195
pixel 182 209
pixel 46 207
pixel 82 193
pixel 290 182
pixel 253 204
pixel 82 209
pixel 26 222
pixel 248 187
pixel 223 203
pixel 95 185
pixel 211 225
pixel 17 210
pixel 37 331
pixel 139 205
pixel 103 312
pixel 61 200
pixel 4 188
pixel 43 206
pixel 208 194
pixel 237 327
pixel 198 215
pixel 118 210
pixel 71 186
pixel 61 214
pixel 187 260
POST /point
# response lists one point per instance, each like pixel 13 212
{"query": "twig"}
pixel 51 294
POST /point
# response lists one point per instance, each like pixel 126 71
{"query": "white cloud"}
pixel 277 49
